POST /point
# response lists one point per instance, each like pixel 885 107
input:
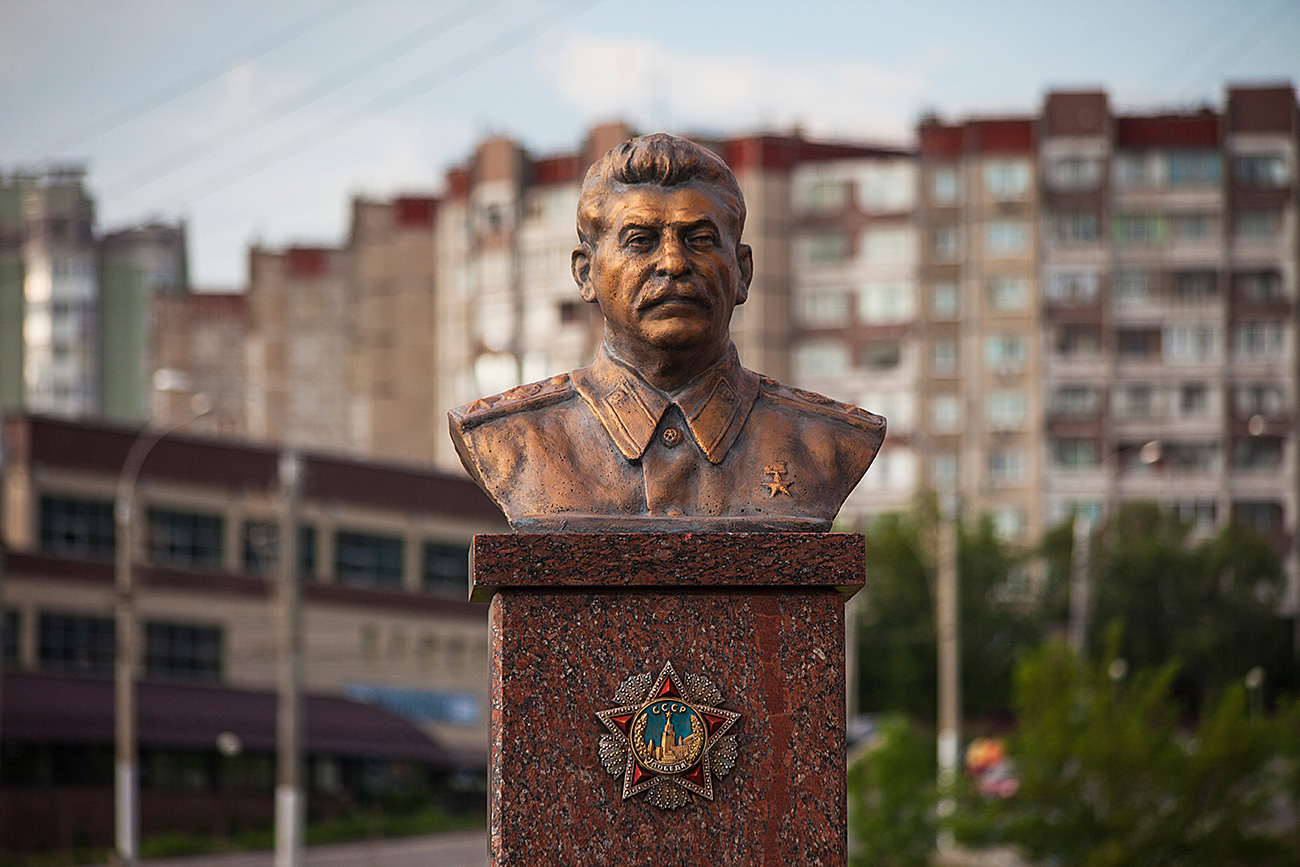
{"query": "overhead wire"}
pixel 382 56
pixel 383 103
pixel 192 81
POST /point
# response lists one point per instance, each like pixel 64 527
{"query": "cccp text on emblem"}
pixel 668 737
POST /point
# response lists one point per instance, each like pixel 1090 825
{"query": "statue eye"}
pixel 702 240
pixel 639 241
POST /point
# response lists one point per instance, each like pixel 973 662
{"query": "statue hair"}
pixel 659 160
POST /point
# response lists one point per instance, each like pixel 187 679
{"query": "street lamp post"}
pixel 126 800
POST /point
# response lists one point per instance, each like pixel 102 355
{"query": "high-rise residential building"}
pixel 74 307
pixel 197 347
pixel 854 305
pixel 977 215
pixel 1170 258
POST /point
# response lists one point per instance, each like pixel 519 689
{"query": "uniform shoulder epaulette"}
pixel 534 395
pixel 820 404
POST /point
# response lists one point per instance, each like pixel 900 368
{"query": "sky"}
pixel 257 121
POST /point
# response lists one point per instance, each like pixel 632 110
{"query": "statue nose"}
pixel 672 257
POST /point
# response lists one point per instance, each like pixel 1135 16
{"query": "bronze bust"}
pixel 664 430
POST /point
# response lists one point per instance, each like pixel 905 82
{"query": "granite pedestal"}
pixel 760 615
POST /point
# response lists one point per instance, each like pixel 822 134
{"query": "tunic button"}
pixel 672 437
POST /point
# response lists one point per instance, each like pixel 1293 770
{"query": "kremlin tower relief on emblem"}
pixel 668 738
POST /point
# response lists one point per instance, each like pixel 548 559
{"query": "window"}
pixel 1078 341
pixel 945 358
pixel 885 302
pixel 1007 410
pixel 1259 287
pixel 75 643
pixel 1075 453
pixel 1138 342
pixel 1009 523
pixel 889 245
pixel 1006 352
pixel 827 195
pixel 1191 457
pixel 1075 401
pixel 1074 173
pixel 1075 227
pixel 1138 229
pixel 1261 516
pixel 1256 224
pixel 828 248
pixel 946 243
pixel 1189 227
pixel 943 186
pixel 1135 401
pixel 824 307
pixel 185 538
pixel 10 632
pixel 1006 238
pixel 1255 341
pixel 1194 168
pixel 943 470
pixel 1007 467
pixel 882 355
pixel 1185 343
pixel 1006 179
pixel 1257 399
pixel 1199 513
pixel 1257 453
pixel 1009 294
pixel 1133 287
pixel 82 528
pixel 1137 170
pixel 262 543
pixel 944 301
pixel 945 413
pixel 182 651
pixel 1193 399
pixel 446 568
pixel 364 560
pixel 1260 170
pixel 1073 287
pixel 1194 286
pixel 569 312
pixel 821 358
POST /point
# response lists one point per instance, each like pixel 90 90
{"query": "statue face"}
pixel 667 271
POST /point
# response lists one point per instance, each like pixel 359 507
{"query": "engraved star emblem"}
pixel 777 485
pixel 668 737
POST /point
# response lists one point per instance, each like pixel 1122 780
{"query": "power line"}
pixel 194 80
pixel 1244 40
pixel 385 102
pixel 380 57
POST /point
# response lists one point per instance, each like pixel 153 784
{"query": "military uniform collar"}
pixel 715 404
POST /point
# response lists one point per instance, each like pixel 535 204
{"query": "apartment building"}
pixel 855 306
pixel 977 216
pixel 1169 315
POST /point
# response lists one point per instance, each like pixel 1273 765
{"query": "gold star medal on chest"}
pixel 668 737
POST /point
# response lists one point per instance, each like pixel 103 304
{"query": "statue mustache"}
pixel 665 291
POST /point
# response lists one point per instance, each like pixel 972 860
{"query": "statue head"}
pixel 659 223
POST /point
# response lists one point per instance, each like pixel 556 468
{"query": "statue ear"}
pixel 580 265
pixel 745 258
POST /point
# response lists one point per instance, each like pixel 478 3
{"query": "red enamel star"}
pixel 668 737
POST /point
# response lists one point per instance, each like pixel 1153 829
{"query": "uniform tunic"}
pixel 602 449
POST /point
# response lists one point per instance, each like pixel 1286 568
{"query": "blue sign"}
pixel 420 705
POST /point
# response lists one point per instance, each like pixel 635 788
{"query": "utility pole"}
pixel 1080 589
pixel 947 627
pixel 126 804
pixel 289 806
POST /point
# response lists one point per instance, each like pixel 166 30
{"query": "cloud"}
pixel 642 80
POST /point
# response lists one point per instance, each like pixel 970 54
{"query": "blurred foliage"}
pixel 896 638
pixel 892 798
pixel 1211 604
pixel 1109 779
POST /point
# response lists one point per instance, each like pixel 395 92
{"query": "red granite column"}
pixel 759 615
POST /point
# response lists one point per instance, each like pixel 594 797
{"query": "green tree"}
pixel 892 798
pixel 1211 604
pixel 1108 779
pixel 896 635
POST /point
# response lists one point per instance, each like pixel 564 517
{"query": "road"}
pixel 465 849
